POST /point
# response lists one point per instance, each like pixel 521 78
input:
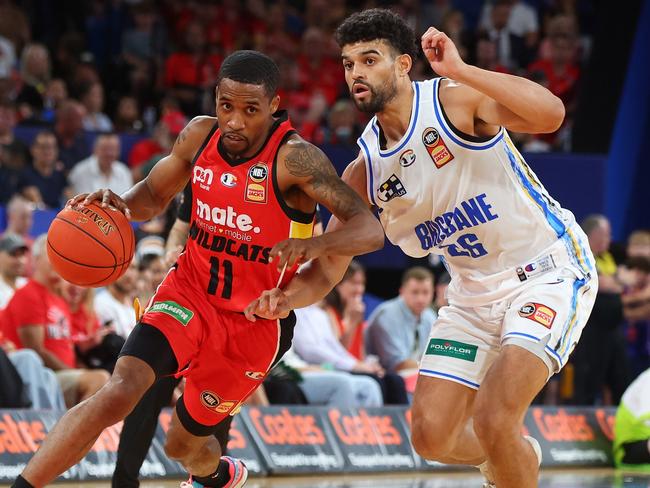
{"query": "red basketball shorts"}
pixel 223 356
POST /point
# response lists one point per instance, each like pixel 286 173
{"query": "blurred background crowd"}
pixel 94 93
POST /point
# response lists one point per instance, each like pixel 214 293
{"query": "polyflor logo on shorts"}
pixel 173 309
pixel 452 349
pixel 538 313
pixel 211 401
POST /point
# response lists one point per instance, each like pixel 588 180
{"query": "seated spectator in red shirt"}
pixel 97 346
pixel 38 318
pixel 160 143
pixel 560 71
pixel 192 70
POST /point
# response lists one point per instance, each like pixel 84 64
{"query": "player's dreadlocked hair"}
pixel 251 67
pixel 378 23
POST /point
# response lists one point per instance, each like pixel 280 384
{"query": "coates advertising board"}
pixel 241 446
pixel 372 439
pixel 23 431
pixel 294 440
pixel 573 436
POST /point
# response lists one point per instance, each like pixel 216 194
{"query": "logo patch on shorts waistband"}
pixel 173 309
pixel 212 401
pixel 452 349
pixel 538 313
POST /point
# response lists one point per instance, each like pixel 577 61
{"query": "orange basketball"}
pixel 90 245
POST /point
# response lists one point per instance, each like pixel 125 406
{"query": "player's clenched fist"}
pixel 271 304
pixel 442 54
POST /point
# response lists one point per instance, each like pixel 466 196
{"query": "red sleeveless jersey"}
pixel 238 215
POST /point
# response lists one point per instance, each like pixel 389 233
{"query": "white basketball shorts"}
pixel 545 315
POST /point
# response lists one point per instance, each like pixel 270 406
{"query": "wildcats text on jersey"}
pixel 221 244
pixel 470 213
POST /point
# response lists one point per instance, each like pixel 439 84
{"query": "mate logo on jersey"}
pixel 407 158
pixel 436 147
pixel 227 217
pixel 203 177
pixel 257 183
pixel 391 188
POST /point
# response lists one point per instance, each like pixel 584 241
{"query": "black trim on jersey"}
pixel 294 214
pixel 455 130
pixel 281 116
pixel 205 142
pixel 185 208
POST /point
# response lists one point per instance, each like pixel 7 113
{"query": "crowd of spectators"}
pixel 144 67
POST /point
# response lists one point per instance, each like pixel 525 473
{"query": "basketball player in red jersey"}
pixel 255 182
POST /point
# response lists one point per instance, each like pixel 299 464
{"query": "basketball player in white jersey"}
pixel 438 163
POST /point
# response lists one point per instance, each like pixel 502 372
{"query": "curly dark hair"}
pixel 378 23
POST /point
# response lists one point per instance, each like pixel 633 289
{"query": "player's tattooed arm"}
pixel 308 169
pixel 320 181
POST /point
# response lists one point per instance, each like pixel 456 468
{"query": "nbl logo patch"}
pixel 257 183
pixel 436 147
pixel 391 188
pixel 211 401
pixel 539 313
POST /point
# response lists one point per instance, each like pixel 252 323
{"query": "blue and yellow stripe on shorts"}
pixel 574 246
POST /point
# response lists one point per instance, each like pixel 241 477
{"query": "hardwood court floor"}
pixel 550 479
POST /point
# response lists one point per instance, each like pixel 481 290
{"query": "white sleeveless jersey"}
pixel 472 200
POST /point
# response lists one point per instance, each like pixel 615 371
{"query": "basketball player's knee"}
pixel 431 436
pixel 118 397
pixel 494 422
pixel 177 449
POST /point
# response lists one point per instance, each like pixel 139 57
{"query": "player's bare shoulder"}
pixel 192 137
pixel 460 103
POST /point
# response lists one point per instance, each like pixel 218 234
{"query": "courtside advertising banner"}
pixel 573 436
pixel 242 446
pixel 372 439
pixel 22 431
pixel 287 440
pixel 295 439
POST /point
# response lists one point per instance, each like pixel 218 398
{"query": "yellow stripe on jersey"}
pixel 536 186
pixel 298 230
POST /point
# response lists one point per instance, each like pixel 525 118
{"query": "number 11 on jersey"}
pixel 213 284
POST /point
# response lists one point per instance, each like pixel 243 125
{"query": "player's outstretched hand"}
pixel 105 197
pixel 271 304
pixel 295 251
pixel 441 52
